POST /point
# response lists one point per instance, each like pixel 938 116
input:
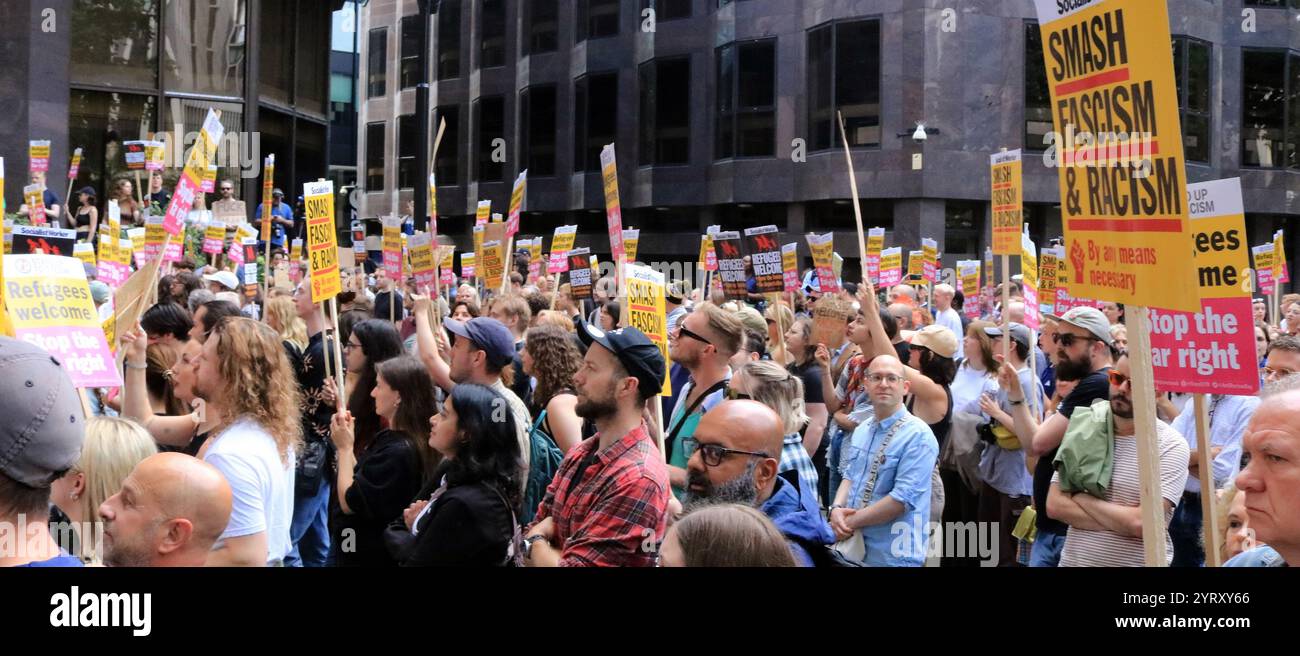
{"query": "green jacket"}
pixel 1087 453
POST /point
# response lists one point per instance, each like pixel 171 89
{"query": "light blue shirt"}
pixel 1261 556
pixel 1227 424
pixel 905 475
pixel 1005 470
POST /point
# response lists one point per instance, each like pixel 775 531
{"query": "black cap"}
pixel 633 349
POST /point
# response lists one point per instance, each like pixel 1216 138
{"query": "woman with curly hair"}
pixel 551 356
pixel 245 374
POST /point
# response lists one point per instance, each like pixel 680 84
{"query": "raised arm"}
pixel 171 431
pixel 428 343
pixel 932 399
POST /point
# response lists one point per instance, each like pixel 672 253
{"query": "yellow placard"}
pixel 647 311
pixel 563 240
pixel 1279 256
pixel 1007 192
pixel 1120 143
pixel 631 238
pixel 322 241
pixel 493 265
pixel 1047 276
pixel 915 265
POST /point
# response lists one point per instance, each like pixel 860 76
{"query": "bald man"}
pixel 1271 480
pixel 888 467
pixel 170 511
pixel 736 457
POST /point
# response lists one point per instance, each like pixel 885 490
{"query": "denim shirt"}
pixel 1227 424
pixel 1261 556
pixel 905 475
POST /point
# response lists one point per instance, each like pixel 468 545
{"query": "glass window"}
pixel 275 58
pixel 308 160
pixel 311 72
pixel 844 75
pixel 489 121
pixel 1192 77
pixel 596 19
pixel 596 112
pixel 276 131
pixel 410 51
pixel 377 62
pixel 447 165
pixel 746 119
pixel 406 150
pixel 374 157
pixel 665 111
pixel 114 44
pixel 449 39
pixel 537 130
pixel 963 221
pixel 492 32
pixel 184 116
pixel 543 26
pixel 205 47
pixel 99 122
pixel 666 10
pixel 1038 98
pixel 1263 114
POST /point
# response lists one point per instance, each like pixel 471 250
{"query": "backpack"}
pixel 545 459
pixel 824 555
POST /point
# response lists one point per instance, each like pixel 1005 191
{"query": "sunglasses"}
pixel 1067 340
pixel 1116 378
pixel 713 454
pixel 683 331
pixel 736 395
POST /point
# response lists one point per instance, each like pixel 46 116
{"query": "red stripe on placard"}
pixel 1097 154
pixel 1162 224
pixel 1092 82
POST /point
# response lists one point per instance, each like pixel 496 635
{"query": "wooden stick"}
pixel 85 402
pixel 1144 420
pixel 1006 301
pixel 853 186
pixel 139 194
pixel 1210 520
pixel 324 341
pixel 658 412
pixel 338 348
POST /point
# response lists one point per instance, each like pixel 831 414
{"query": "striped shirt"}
pixel 1084 548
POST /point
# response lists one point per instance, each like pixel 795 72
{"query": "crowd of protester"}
pixel 524 426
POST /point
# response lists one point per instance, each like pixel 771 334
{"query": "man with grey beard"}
pixel 735 457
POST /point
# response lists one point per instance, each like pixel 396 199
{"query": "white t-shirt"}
pixel 1084 548
pixel 952 321
pixel 261 485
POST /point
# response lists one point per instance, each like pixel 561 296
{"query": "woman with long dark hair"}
pixel 470 518
pixel 552 357
pixel 374 487
pixel 372 341
pixel 86 220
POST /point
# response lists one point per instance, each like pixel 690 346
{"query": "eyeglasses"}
pixel 350 346
pixel 713 454
pixel 892 379
pixel 683 331
pixel 734 394
pixel 1117 379
pixel 1270 372
pixel 1066 340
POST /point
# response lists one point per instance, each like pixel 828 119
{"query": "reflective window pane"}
pixel 205 46
pixel 98 123
pixel 115 43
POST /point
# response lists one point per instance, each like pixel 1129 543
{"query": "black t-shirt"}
pixel 386 480
pixel 811 375
pixel 1095 385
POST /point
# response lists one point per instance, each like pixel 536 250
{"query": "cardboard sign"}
pixel 214 237
pixel 133 151
pixel 38 156
pixel 433 205
pixel 831 316
pixel 708 257
pixel 968 273
pixel 516 204
pixel 236 253
pixel 110 271
pixel 1122 198
pixel 647 311
pixel 483 212
pixel 392 245
pixel 493 265
pixel 823 249
pixel 154 235
pixel 915 267
pixel 448 277
pixel 891 266
pixel 790 267
pixel 1211 351
pixel 1263 268
pixel 580 278
pixel 34 198
pixel 631 241
pixel 731 264
pixel 85 252
pixel 209 182
pixel 1047 260
pixel 479 231
pixel 613 210
pixel 75 167
pixel 1280 271
pixel 1007 192
pixel 765 257
pixel 930 265
pixel 49 304
pixel 559 263
pixel 562 242
pixel 423 265
pixel 1029 280
pixel 233 212
pixel 467 265
pixel 250 278
pixel 196 166
pixel 41 240
pixel 154 155
pixel 322 241
pixel 875 244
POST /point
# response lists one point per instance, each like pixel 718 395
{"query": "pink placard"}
pixel 889 277
pixel 1206 352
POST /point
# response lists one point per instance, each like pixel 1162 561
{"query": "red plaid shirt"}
pixel 617 514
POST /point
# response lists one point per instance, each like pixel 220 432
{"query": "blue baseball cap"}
pixel 489 335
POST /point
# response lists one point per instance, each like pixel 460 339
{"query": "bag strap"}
pixel 879 459
pixel 672 434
